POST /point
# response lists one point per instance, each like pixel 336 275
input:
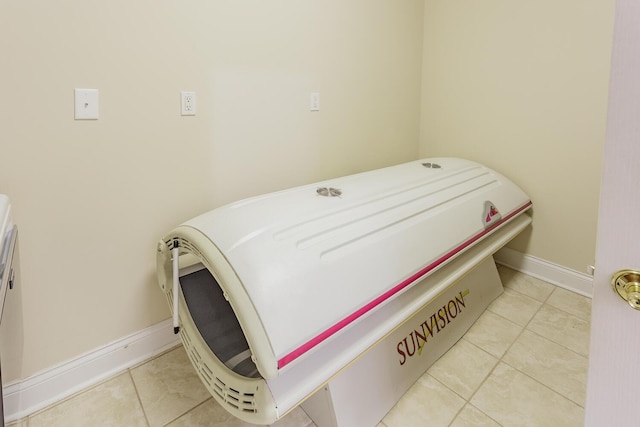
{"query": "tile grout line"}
pixel 466 401
pixel 542 336
pixel 557 343
pixel 480 386
pixel 543 385
pixel 448 388
pixel 506 350
pixel 135 388
pixel 500 360
pixel 187 411
pixel 524 328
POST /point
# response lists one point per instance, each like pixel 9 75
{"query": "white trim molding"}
pixel 27 396
pixel 562 277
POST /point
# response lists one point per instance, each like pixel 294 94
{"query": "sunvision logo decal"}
pixel 413 343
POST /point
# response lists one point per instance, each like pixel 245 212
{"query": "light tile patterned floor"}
pixel 523 363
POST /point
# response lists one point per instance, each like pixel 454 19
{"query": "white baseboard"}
pixel 26 396
pixel 544 270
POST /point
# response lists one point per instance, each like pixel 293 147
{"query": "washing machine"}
pixel 8 266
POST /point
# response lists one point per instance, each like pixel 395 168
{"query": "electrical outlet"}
pixel 188 103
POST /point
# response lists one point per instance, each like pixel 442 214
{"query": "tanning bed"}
pixel 295 296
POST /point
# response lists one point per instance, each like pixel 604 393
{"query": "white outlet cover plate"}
pixel 188 103
pixel 86 104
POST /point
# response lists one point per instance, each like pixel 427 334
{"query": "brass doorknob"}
pixel 627 284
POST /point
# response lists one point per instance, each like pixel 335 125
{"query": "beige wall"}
pixel 91 198
pixel 521 86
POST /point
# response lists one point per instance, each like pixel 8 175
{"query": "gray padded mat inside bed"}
pixel 217 323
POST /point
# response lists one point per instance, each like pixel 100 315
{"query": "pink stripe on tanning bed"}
pixel 393 291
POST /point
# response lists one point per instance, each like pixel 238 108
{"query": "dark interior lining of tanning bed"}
pixel 216 322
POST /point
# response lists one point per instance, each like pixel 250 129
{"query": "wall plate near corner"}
pixel 187 103
pixel 314 104
pixel 86 104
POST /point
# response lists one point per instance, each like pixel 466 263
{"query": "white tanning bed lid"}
pixel 314 259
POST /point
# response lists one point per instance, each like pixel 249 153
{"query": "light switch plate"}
pixel 86 104
pixel 315 101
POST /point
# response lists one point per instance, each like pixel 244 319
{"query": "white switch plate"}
pixel 315 101
pixel 188 103
pixel 86 104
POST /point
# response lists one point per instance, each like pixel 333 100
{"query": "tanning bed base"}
pixel 364 392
